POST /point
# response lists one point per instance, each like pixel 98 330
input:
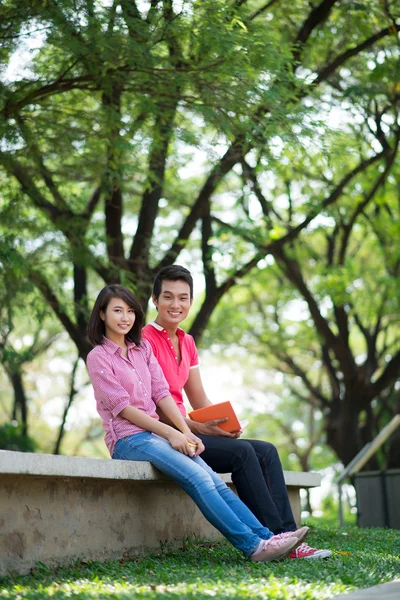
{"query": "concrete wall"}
pixel 57 509
pixel 56 520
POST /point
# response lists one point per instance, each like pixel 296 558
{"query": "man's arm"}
pixel 198 399
pixel 195 391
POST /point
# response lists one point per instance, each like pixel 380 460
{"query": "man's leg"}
pixel 239 457
pixel 271 466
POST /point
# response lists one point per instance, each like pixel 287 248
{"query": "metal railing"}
pixel 363 457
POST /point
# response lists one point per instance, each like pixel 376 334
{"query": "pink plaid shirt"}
pixel 119 382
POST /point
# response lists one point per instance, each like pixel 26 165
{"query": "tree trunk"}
pixel 342 427
pixel 20 409
pixel 72 394
pixel 393 455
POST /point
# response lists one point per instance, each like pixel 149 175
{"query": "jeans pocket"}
pixel 129 448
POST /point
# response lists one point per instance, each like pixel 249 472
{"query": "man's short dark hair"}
pixel 172 273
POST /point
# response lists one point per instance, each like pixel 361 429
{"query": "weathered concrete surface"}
pixel 56 509
pixel 383 591
pixel 55 520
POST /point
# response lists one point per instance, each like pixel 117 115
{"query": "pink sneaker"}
pixel 275 549
pixel 305 551
pixel 301 534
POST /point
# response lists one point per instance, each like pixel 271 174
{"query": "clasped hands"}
pixel 186 443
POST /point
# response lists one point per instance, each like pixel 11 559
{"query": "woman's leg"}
pixel 238 507
pixel 197 481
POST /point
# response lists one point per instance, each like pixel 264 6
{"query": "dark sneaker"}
pixel 305 551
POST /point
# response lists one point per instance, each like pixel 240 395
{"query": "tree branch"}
pixel 297 370
pixel 76 334
pixel 389 375
pixel 38 159
pixel 140 249
pixel 262 9
pixel 330 68
pixel 199 208
pixel 28 187
pixel 318 15
pixel 206 252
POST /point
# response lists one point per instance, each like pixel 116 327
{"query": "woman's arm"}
pixel 178 439
pixel 171 411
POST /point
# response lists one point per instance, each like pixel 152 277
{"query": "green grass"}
pixel 362 558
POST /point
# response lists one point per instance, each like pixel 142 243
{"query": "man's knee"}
pixel 265 451
pixel 244 452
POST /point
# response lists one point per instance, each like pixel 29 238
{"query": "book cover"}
pixel 218 411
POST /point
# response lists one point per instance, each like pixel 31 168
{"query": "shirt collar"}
pixel 113 348
pixel 179 331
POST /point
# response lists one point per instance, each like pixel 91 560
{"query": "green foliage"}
pixel 13 438
pixel 361 558
pixel 135 135
pixel 330 512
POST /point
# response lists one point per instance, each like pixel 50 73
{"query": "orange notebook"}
pixel 218 411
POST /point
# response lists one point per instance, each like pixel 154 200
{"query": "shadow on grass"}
pixel 200 570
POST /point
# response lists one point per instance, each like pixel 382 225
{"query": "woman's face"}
pixel 173 303
pixel 118 319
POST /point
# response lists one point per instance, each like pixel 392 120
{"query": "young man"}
pixel 254 464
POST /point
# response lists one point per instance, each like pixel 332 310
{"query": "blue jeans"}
pixel 218 503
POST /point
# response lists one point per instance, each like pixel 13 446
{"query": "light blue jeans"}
pixel 218 503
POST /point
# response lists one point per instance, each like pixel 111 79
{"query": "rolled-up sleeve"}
pixel 194 355
pixel 159 385
pixel 109 393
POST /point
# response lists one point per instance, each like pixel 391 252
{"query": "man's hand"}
pixel 211 428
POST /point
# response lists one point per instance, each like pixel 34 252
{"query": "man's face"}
pixel 173 303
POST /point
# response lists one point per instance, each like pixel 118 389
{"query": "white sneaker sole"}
pixel 318 554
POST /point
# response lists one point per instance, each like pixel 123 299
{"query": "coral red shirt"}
pixel 175 373
pixel 119 382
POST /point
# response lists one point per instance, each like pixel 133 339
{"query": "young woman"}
pixel 129 385
pixel 254 464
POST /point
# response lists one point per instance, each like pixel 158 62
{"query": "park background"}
pixel 255 143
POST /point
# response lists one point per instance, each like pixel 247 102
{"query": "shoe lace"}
pixel 283 536
pixel 276 540
pixel 304 548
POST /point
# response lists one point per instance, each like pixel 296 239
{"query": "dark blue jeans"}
pixel 257 474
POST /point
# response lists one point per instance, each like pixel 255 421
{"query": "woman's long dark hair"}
pixel 96 328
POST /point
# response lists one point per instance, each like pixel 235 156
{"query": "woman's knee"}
pixel 198 480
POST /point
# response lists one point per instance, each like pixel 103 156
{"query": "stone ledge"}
pixel 26 463
pixel 57 509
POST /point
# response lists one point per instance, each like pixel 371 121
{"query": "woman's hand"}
pixel 196 445
pixel 179 442
pixel 186 443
